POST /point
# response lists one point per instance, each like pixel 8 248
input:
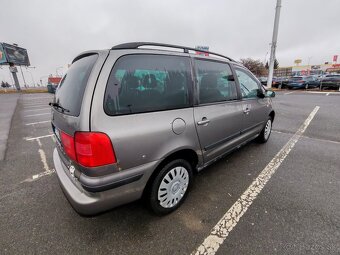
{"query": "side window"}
pixel 215 82
pixel 144 83
pixel 248 85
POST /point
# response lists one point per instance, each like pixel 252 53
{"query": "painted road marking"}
pixel 288 93
pixel 36 103
pixel 39 114
pixel 29 106
pixel 308 137
pixel 35 106
pixel 39 137
pixel 226 224
pixel 47 171
pixel 35 98
pixel 323 92
pixel 40 109
pixel 38 122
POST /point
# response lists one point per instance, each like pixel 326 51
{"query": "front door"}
pixel 218 113
pixel 255 109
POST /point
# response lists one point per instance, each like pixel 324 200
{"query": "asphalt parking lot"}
pixel 296 210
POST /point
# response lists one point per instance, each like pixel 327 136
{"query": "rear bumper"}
pixel 90 203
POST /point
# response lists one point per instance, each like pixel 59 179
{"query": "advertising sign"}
pixel 54 80
pixel 16 55
pixel 206 48
pixel 2 55
pixel 297 61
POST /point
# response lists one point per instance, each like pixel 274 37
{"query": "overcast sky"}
pixel 54 32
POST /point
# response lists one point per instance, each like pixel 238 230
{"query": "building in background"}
pixel 307 70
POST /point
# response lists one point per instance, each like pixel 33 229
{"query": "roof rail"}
pixel 136 45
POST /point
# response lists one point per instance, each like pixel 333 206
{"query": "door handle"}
pixel 204 121
pixel 246 111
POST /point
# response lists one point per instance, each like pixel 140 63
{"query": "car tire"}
pixel 266 131
pixel 170 187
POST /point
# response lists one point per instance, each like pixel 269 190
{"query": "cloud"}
pixel 54 32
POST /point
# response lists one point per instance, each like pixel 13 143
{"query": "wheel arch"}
pixel 187 154
pixel 272 115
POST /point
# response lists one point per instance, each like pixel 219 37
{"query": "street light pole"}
pixel 31 76
pixel 23 77
pixel 274 41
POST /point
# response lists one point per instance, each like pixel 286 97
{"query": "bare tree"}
pixel 255 66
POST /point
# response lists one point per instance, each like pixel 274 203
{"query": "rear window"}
pixel 144 83
pixel 71 88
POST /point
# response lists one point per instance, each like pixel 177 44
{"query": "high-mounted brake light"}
pixel 93 149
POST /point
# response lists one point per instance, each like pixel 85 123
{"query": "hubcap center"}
pixel 175 187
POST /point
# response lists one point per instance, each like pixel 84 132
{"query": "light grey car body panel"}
pixel 142 141
pixel 225 122
pixel 143 137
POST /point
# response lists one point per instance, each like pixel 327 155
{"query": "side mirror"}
pixel 260 93
pixel 270 93
pixel 229 77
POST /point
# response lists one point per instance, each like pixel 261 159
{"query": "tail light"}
pixel 93 149
pixel 68 145
pixel 89 149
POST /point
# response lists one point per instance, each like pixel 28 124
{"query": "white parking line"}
pixel 39 114
pixel 40 109
pixel 38 122
pixel 36 105
pixel 308 137
pixel 318 92
pixel 35 98
pixel 39 137
pixel 226 224
pixel 47 171
pixel 288 93
pixel 327 94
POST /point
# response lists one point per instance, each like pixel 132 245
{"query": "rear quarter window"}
pixel 146 83
pixel 71 89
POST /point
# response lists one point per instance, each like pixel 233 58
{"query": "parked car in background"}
pixel 279 81
pixel 52 84
pixel 263 80
pixel 330 81
pixel 132 123
pixel 303 82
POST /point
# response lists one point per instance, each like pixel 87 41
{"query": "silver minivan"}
pixel 139 120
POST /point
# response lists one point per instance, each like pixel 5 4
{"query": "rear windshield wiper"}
pixel 56 105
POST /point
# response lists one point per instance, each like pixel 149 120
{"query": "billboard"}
pixel 14 54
